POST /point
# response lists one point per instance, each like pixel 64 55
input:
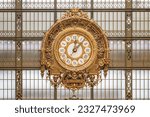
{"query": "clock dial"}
pixel 75 50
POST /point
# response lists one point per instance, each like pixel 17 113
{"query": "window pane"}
pixel 7 84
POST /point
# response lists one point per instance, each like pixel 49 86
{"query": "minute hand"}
pixel 78 45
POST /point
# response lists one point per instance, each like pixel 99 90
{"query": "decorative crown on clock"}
pixel 75 13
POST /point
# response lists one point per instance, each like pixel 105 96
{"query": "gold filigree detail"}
pixel 75 13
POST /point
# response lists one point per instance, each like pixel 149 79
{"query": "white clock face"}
pixel 75 50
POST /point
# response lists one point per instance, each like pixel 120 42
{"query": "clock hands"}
pixel 76 47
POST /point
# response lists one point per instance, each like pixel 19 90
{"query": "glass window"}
pixel 141 84
pixel 7 84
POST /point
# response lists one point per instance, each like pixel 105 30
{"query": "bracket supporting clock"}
pixel 74 51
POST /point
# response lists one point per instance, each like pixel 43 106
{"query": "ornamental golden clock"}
pixel 74 51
